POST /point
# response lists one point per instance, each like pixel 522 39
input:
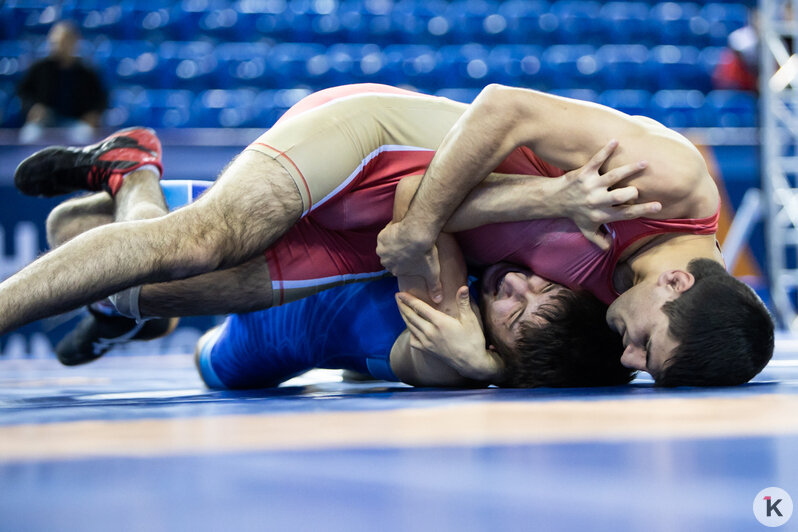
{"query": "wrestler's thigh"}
pixel 252 203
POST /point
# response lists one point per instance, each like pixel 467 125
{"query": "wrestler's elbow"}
pixel 505 112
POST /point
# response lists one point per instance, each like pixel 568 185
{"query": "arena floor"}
pixel 137 443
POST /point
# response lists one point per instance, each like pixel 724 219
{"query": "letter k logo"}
pixel 772 506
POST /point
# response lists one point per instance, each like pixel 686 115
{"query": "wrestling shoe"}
pixel 60 170
pixel 97 333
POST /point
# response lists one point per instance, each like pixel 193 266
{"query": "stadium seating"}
pixel 216 63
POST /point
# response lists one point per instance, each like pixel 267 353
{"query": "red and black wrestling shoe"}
pixel 60 170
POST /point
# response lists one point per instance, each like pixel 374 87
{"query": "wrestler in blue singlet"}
pixel 348 327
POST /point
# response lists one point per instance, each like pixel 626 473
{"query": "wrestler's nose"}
pixel 634 357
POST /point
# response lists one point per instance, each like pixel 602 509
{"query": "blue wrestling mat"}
pixel 137 443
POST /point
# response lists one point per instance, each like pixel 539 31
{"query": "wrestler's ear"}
pixel 679 281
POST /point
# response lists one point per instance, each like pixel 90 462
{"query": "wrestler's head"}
pixel 546 334
pixel 699 327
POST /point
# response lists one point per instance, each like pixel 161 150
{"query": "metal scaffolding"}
pixel 778 84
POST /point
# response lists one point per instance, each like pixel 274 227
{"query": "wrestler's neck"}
pixel 662 253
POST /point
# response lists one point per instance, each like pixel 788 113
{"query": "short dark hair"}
pixel 724 329
pixel 572 346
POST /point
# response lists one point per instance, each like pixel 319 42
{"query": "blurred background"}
pixel 211 75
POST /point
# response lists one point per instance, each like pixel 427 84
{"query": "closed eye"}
pixel 516 317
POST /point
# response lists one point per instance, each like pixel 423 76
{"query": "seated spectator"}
pixel 61 91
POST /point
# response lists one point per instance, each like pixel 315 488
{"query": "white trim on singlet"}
pixel 367 159
pixel 310 283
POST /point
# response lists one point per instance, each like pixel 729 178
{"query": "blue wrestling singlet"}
pixel 352 327
pixel 348 327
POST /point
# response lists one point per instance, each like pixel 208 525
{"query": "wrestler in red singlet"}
pixel 335 241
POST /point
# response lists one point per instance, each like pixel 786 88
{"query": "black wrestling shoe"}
pixel 60 170
pixel 97 333
pixel 352 376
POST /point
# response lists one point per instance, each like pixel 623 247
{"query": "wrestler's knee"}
pixel 77 215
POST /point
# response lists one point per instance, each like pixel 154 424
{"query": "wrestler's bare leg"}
pixel 139 198
pixel 252 203
pixel 247 285
pixel 242 288
pixel 77 215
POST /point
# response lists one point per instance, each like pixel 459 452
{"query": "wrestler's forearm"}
pixel 480 139
pixel 507 198
pixel 421 368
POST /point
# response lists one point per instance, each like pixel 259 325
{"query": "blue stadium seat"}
pixel 419 21
pixel 625 65
pixel 733 108
pixel 241 64
pixel 224 108
pixel 723 19
pixel 272 20
pixel 680 109
pixel 577 21
pixel 477 21
pixel 463 66
pixel 678 67
pixel 629 101
pixel 188 65
pixel 31 18
pixel 295 63
pixel 128 63
pixel 226 24
pixel 523 21
pixel 168 108
pixel 626 22
pixel 416 65
pixel 103 19
pixel 571 66
pixel 127 106
pixel 680 23
pixel 195 17
pixel 517 64
pixel 15 58
pixel 355 63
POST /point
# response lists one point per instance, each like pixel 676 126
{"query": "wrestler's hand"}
pixel 404 255
pixel 586 196
pixel 458 342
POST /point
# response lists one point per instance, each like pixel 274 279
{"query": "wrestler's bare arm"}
pixel 582 195
pixel 470 366
pixel 435 359
pixel 564 132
